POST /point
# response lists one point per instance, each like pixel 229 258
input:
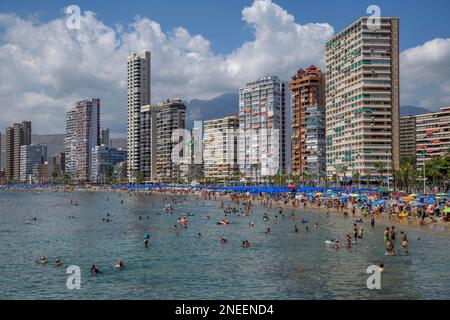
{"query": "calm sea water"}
pixel 281 265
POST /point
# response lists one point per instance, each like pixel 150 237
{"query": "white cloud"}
pixel 45 67
pixel 425 75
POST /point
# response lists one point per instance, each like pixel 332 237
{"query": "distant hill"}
pixel 218 107
pixel 412 111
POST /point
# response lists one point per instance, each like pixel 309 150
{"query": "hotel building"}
pixel 362 98
pixel 262 129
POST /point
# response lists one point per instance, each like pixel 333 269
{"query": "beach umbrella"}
pixel 419 205
pixel 413 195
pixel 447 210
pixel 355 195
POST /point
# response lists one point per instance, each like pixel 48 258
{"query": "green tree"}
pixel 381 167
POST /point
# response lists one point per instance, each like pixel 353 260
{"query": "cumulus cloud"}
pixel 425 74
pixel 46 67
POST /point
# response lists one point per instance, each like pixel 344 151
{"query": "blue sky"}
pixel 220 20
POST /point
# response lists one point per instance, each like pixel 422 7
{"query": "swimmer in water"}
pixel 223 240
pixel 296 228
pixel 119 265
pixel 42 260
pixel 146 243
pixel 199 235
pixel 94 270
pixel 58 262
pixel 245 243
pixel 316 225
pixel 337 245
pixel 381 268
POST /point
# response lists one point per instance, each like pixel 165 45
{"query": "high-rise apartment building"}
pixel 262 128
pixel 220 149
pixel 432 135
pixel 30 156
pixel 362 99
pixel 104 159
pixel 147 168
pixel 308 122
pixel 82 135
pixel 139 95
pixel 170 118
pixel 15 137
pixel 407 137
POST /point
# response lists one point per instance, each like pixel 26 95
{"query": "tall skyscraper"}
pixel 16 136
pixel 148 142
pixel 308 122
pixel 139 95
pixel 82 135
pixel 262 128
pixel 220 148
pixel 362 99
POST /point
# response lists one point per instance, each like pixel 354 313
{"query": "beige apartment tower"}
pixel 220 150
pixel 362 100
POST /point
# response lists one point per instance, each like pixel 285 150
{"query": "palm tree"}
pixel 344 171
pixel 356 177
pixel 335 179
pixel 380 167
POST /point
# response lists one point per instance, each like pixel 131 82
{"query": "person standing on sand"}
pixel 372 220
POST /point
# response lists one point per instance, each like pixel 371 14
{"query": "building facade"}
pixel 148 146
pixel 262 129
pixel 104 160
pixel 308 122
pixel 82 135
pixel 58 165
pixel 362 99
pixel 30 156
pixel 220 149
pixel 104 138
pixel 170 118
pixel 432 135
pixel 139 95
pixel 16 136
pixel 408 137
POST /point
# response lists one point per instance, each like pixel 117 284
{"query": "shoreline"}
pixel 220 196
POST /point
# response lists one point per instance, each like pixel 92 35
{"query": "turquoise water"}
pixel 280 265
